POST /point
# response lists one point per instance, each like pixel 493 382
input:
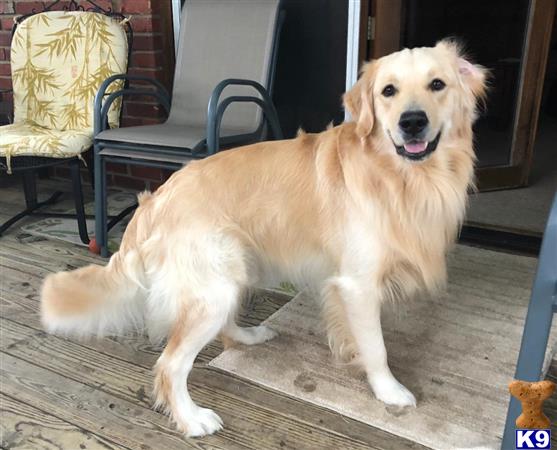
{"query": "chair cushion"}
pixel 164 135
pixel 29 139
pixel 58 61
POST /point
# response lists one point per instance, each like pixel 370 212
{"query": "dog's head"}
pixel 417 96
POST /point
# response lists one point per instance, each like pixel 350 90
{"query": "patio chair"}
pixel 225 62
pixel 58 61
pixel 543 304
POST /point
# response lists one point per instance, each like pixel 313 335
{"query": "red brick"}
pixel 28 7
pixel 147 42
pixel 5 83
pixel 5 68
pixel 138 121
pixel 146 173
pixel 153 72
pixel 142 24
pixel 128 182
pixel 143 110
pixel 143 99
pixel 117 168
pixel 136 6
pixel 105 4
pixel 4 54
pixel 6 23
pixel 146 59
pixel 5 38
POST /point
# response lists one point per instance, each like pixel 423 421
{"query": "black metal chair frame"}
pixel 29 165
pixel 175 156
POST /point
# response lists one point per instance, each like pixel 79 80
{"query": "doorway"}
pixel 513 40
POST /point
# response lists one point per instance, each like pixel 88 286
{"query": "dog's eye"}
pixel 437 85
pixel 388 91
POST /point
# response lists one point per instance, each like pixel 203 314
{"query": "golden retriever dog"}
pixel 362 213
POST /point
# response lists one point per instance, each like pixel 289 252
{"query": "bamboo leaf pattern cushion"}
pixel 58 61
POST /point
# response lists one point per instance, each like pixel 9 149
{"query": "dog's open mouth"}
pixel 417 150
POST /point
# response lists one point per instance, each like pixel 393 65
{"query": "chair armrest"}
pixel 215 110
pixel 103 105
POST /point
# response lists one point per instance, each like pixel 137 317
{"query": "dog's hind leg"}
pixel 247 335
pixel 198 322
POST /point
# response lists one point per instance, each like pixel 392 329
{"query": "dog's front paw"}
pixel 390 391
pixel 262 334
pixel 201 423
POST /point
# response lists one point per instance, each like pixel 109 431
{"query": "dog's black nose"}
pixel 413 122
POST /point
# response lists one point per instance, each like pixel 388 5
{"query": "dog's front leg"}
pixel 362 306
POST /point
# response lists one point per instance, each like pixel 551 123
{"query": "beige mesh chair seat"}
pixel 165 134
pixel 221 95
pixel 59 59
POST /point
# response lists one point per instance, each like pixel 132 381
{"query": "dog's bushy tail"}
pixel 95 300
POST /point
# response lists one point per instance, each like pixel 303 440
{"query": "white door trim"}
pixel 176 11
pixel 352 46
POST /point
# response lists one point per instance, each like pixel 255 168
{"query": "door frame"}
pixel 386 19
pixel 532 73
pixel 359 35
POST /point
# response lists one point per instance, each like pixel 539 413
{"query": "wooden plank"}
pixel 10 335
pixel 39 249
pixel 92 409
pixel 22 426
pixel 131 382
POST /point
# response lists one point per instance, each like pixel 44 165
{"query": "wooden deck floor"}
pixel 64 394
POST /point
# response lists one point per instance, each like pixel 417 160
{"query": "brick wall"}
pixel 151 57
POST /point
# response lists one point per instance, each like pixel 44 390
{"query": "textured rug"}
pixel 66 229
pixel 456 353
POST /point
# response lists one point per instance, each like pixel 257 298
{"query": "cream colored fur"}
pixel 338 212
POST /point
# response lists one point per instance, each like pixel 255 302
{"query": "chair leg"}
pixel 30 188
pixel 100 204
pixel 30 191
pixel 78 199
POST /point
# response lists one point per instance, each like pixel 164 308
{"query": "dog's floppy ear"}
pixel 473 76
pixel 359 101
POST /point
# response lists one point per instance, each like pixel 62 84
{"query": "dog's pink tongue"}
pixel 415 147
